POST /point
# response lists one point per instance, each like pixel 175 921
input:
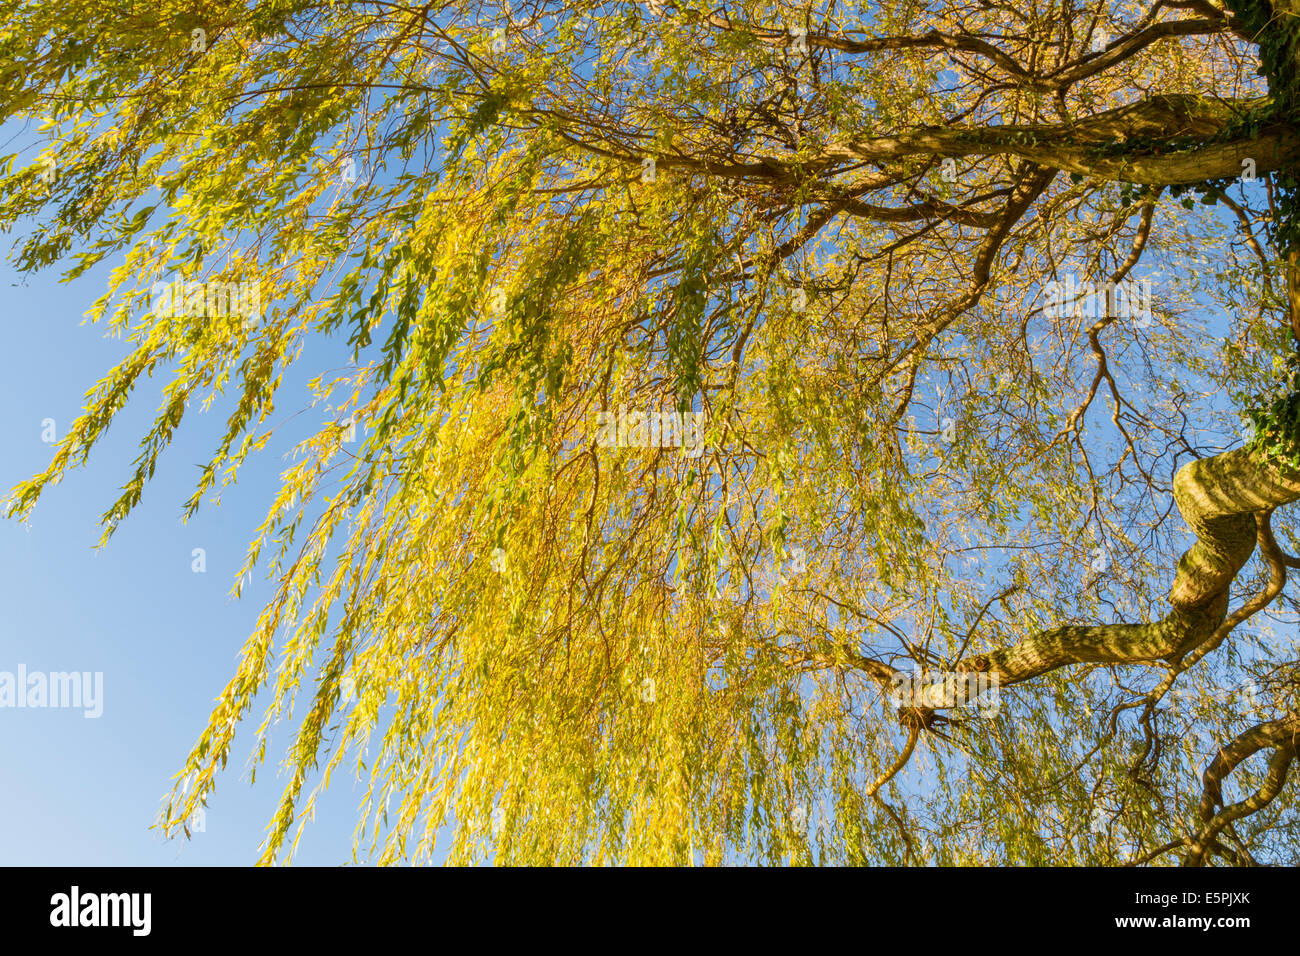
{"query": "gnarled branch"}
pixel 1219 498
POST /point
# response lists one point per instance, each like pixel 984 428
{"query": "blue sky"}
pixel 85 791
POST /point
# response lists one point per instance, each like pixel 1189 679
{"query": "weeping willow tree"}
pixel 719 373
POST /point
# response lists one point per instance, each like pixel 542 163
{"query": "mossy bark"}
pixel 1218 497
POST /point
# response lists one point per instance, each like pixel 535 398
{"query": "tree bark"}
pixel 1218 497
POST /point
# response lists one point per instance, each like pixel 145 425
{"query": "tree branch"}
pixel 1219 498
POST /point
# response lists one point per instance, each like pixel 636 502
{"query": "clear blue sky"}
pixel 85 791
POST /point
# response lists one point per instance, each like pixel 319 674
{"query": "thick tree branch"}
pixel 1284 737
pixel 1095 146
pixel 1164 140
pixel 1219 498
